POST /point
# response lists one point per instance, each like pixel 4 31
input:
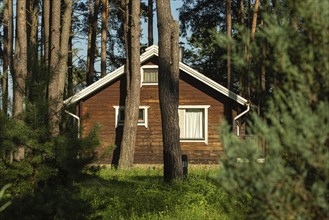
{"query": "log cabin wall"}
pixel 98 108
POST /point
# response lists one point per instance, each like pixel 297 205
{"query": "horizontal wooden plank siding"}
pixel 99 109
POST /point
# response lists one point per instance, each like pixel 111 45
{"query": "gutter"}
pixel 235 123
pixel 77 118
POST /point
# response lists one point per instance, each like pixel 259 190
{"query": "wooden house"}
pixel 203 106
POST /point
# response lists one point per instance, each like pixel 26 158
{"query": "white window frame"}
pixel 119 123
pixel 142 75
pixel 205 109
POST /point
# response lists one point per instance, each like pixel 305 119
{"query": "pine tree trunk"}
pixel 241 15
pixel 70 65
pixel 132 37
pixel 32 29
pixel 92 50
pixel 21 73
pixel 150 22
pixel 53 96
pixel 262 77
pixel 90 30
pixel 105 11
pixel 254 20
pixel 229 50
pixel 168 90
pixel 7 55
pixel 46 31
pixel 59 58
pixel 65 49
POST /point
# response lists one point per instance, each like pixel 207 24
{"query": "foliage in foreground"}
pixel 293 183
pixel 136 194
pixel 41 182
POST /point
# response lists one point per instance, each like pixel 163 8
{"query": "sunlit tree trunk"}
pixel 132 69
pixel 168 33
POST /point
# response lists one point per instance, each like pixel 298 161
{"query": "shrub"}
pixel 293 182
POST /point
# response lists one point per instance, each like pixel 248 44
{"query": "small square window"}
pixel 141 115
pixel 150 75
pixel 120 115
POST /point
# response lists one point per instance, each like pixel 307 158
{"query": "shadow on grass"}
pixel 116 194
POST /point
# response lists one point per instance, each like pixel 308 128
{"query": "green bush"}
pixel 293 182
pixel 41 182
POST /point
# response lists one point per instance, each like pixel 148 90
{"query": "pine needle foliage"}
pixel 42 181
pixel 293 182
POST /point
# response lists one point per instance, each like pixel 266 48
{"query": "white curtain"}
pixel 194 124
pixel 181 114
pixel 150 75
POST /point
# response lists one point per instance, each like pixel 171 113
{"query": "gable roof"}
pixel 149 52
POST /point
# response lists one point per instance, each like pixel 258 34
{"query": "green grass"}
pixel 141 194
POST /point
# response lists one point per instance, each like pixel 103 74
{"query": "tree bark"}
pixel 105 11
pixel 132 38
pixel 229 50
pixel 46 28
pixel 90 30
pixel 21 73
pixel 150 22
pixel 65 48
pixel 168 90
pixel 70 64
pixel 241 15
pixel 91 69
pixel 53 96
pixel 254 20
pixel 32 48
pixel 59 58
pixel 8 51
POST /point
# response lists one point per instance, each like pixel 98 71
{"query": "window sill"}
pixel 194 141
pixel 139 124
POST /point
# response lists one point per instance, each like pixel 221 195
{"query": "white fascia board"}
pixel 150 51
pixel 93 87
pixel 213 84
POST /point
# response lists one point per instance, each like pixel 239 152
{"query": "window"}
pixel 193 123
pixel 120 115
pixel 149 75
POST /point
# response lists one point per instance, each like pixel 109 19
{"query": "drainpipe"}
pixel 77 118
pixel 239 116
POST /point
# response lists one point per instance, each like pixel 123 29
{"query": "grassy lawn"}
pixel 141 194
